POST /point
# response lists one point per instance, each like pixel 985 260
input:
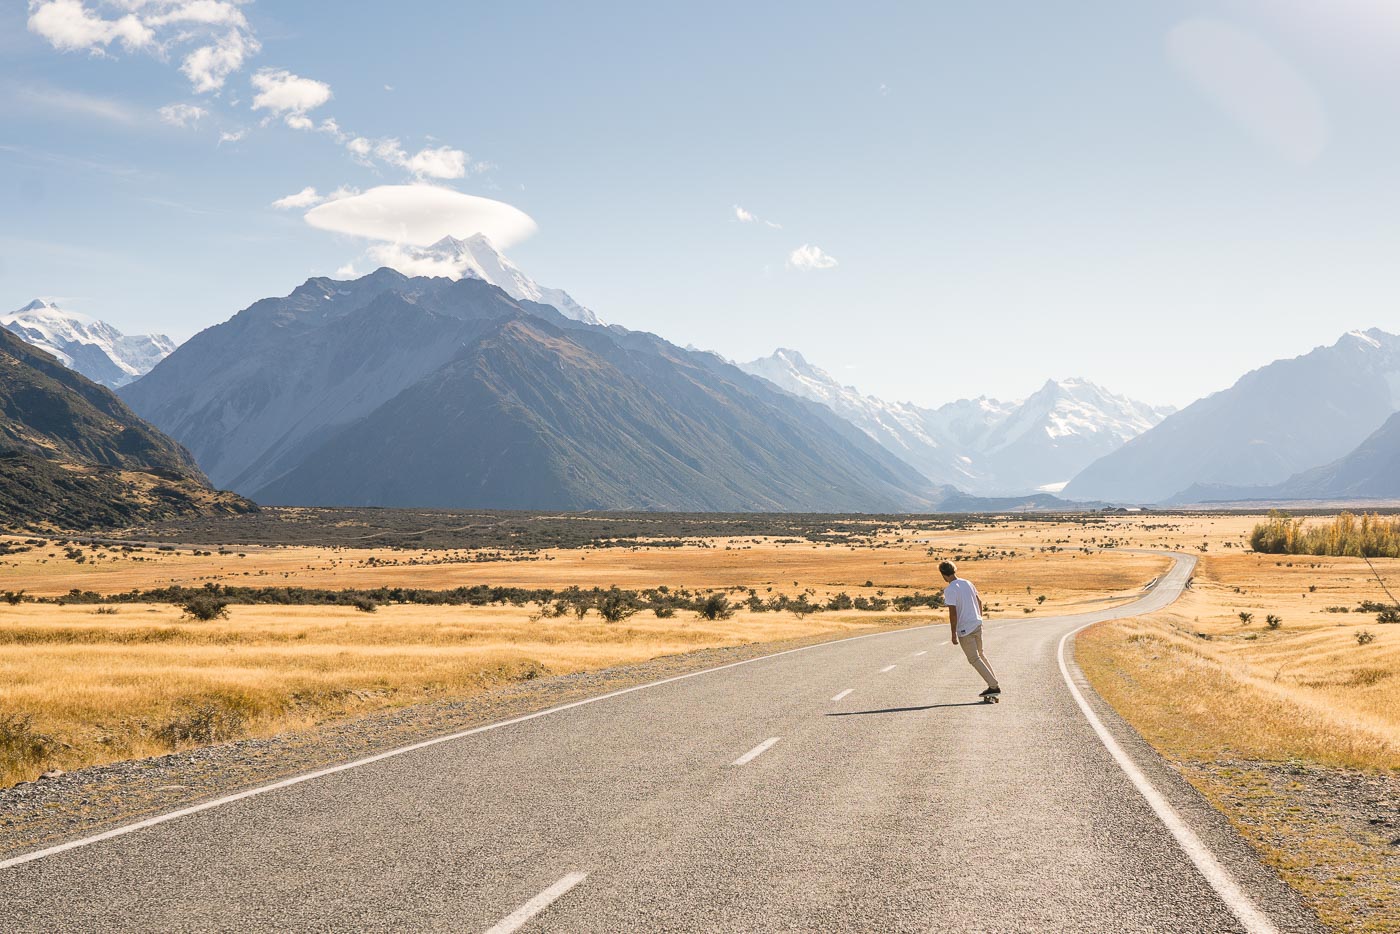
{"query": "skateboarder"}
pixel 965 618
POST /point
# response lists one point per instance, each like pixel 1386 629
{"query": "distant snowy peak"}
pixel 478 258
pixel 982 445
pixel 91 347
pixel 1076 408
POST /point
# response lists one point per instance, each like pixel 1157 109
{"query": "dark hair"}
pixel 947 568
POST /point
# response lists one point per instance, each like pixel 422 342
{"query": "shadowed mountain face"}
pixel 72 454
pixel 1277 421
pixel 1372 471
pixel 427 392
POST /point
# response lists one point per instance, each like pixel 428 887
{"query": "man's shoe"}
pixel 989 692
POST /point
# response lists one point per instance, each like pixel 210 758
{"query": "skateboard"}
pixel 991 699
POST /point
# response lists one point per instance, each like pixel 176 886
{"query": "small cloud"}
pixel 884 89
pixel 299 121
pixel 347 272
pixel 421 215
pixel 282 92
pixel 209 66
pixel 182 115
pixel 810 257
pixel 744 216
pixel 388 87
pixel 232 136
pixel 305 198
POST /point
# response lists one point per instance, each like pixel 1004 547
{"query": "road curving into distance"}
pixel 851 785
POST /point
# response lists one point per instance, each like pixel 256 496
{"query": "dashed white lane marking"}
pixel 518 917
pixel 917 654
pixel 755 752
pixel 843 694
pixel 412 747
pixel 1215 873
pixel 886 668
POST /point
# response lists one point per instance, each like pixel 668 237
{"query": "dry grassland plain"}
pixel 1282 729
pixel 1294 731
pixel 87 683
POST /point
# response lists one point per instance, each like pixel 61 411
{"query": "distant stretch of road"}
pixel 854 785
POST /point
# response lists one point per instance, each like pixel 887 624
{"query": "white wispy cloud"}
pixel 76 104
pixel 232 136
pixel 216 31
pixel 810 257
pixel 70 26
pixel 439 162
pixel 182 115
pixel 305 198
pixel 745 216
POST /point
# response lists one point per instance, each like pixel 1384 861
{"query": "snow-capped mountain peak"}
pixel 982 445
pixel 477 257
pixel 92 347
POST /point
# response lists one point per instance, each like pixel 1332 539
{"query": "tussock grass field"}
pixel 1294 731
pixel 88 683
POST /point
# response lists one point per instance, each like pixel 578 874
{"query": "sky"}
pixel 929 200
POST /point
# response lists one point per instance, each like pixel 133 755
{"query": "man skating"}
pixel 965 618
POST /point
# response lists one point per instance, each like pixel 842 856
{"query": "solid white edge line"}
pixel 1234 897
pixel 886 668
pixel 842 694
pixel 389 754
pixel 756 751
pixel 518 917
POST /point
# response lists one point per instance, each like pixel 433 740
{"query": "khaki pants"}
pixel 972 648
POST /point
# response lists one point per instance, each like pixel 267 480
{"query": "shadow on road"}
pixel 858 713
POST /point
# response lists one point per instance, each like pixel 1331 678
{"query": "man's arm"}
pixel 953 622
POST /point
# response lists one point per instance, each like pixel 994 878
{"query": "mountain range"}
pixel 72 455
pixel 397 391
pixel 981 445
pixel 1275 422
pixel 94 348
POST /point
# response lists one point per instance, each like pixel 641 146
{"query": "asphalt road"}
pixel 746 798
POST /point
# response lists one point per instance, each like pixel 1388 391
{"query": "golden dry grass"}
pixel 1238 705
pixel 97 686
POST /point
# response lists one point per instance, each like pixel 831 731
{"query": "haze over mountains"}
pixel 1276 421
pixel 980 445
pixel 94 348
pixel 481 388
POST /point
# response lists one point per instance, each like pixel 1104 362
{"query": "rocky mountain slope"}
pixel 73 456
pixel 94 348
pixel 389 390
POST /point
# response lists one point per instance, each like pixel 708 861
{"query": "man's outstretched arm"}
pixel 953 622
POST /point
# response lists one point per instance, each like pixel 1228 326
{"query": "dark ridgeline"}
pixel 418 392
pixel 72 453
pixel 1276 421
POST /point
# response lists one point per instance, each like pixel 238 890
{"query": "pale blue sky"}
pixel 1157 196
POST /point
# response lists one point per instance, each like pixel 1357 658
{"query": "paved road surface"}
pixel 741 799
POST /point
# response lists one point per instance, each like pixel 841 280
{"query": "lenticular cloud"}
pixel 422 215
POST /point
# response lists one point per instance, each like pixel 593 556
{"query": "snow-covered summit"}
pixel 477 257
pixel 981 445
pixel 92 347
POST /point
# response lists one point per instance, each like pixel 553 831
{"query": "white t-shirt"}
pixel 961 594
